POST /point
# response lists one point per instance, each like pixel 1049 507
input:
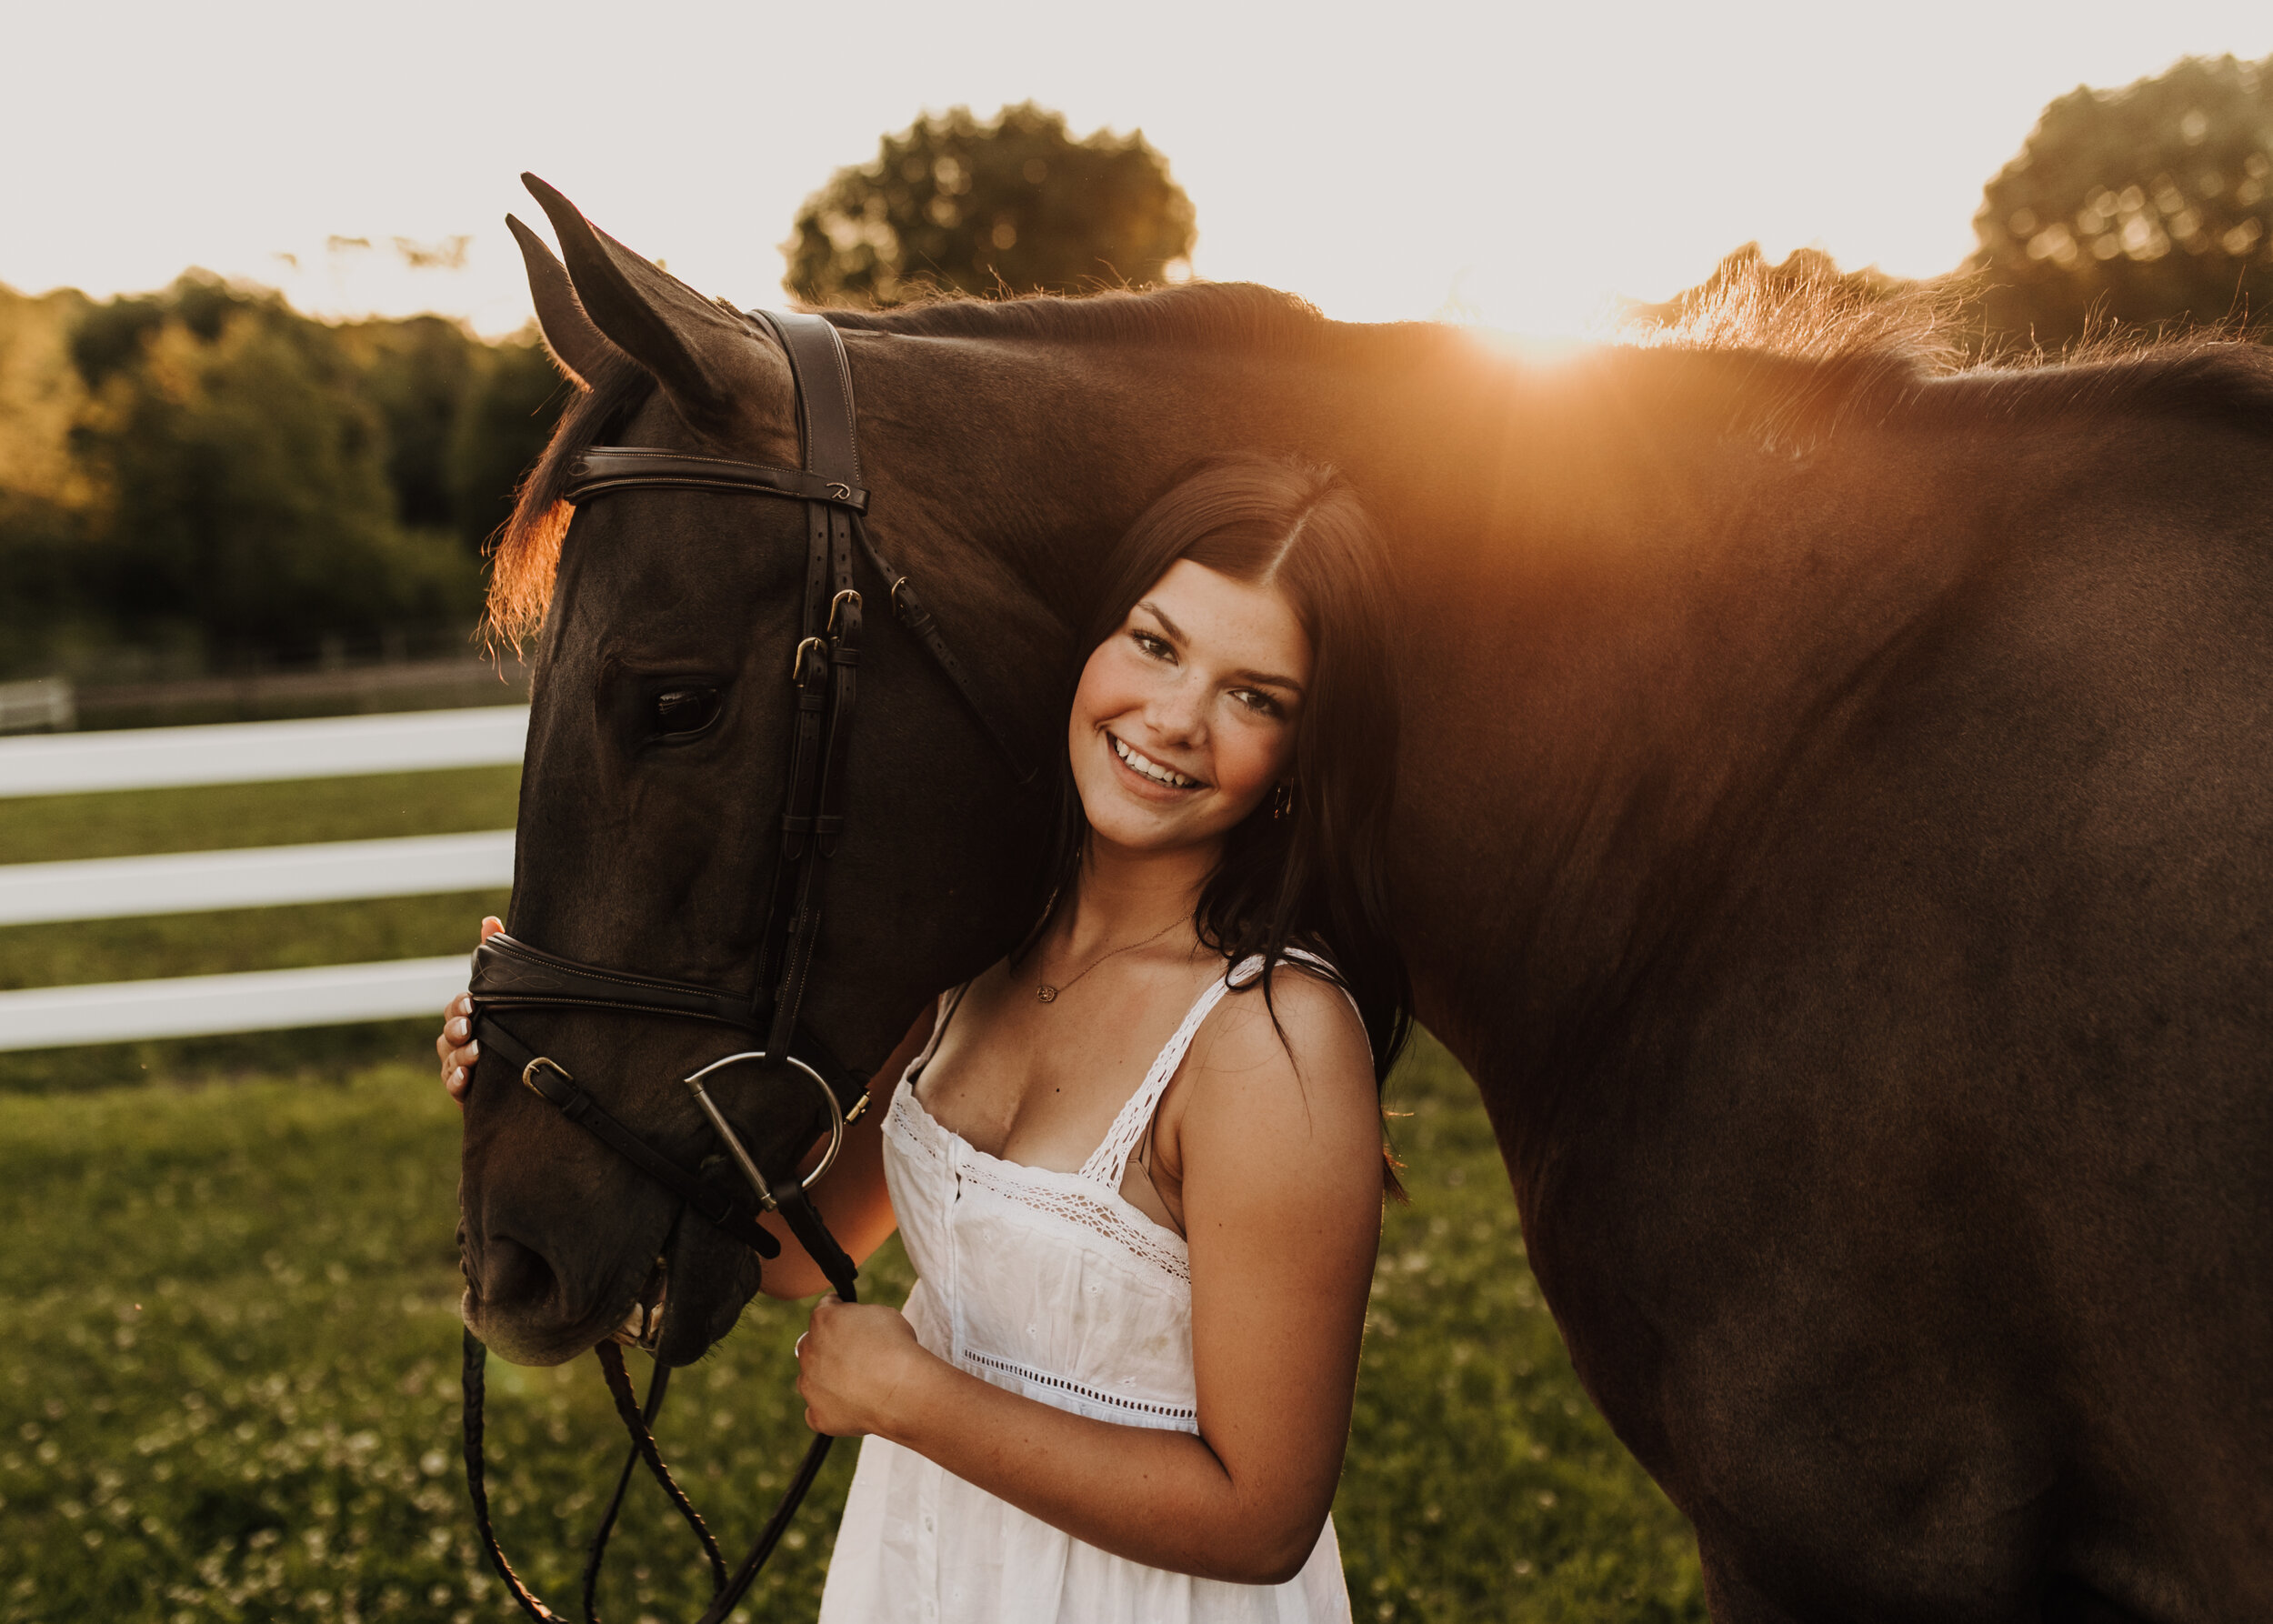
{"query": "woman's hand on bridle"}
pixel 455 1045
pixel 856 1364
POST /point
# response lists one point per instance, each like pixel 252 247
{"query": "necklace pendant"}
pixel 1046 993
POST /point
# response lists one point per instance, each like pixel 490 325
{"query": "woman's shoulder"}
pixel 1287 1083
pixel 1307 1023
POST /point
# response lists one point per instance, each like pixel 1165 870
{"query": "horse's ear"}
pixel 578 347
pixel 694 347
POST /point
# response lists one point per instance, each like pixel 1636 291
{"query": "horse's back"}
pixel 1979 1038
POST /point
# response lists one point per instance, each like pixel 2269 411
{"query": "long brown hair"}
pixel 1318 878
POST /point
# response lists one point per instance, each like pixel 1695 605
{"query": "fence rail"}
pixel 196 882
pixel 248 1001
pixel 263 752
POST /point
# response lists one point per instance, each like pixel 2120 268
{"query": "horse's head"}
pixel 652 806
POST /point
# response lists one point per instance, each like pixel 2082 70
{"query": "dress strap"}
pixel 944 1011
pixel 1108 1163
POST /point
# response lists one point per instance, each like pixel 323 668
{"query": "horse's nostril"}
pixel 513 1275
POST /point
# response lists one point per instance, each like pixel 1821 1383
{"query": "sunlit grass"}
pixel 233 1394
pixel 250 938
pixel 234 1391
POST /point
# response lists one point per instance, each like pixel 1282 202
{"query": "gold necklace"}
pixel 1047 994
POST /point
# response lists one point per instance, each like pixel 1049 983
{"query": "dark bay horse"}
pixel 1834 830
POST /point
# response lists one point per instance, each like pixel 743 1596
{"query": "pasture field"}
pixel 232 1391
pixel 231 1272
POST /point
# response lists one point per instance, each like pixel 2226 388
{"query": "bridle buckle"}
pixel 528 1080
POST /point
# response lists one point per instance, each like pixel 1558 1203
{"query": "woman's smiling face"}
pixel 1185 717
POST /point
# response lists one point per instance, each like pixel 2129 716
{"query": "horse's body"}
pixel 1834 834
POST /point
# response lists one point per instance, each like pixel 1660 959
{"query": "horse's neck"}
pixel 1624 662
pixel 1622 620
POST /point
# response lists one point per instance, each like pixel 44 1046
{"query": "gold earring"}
pixel 1282 801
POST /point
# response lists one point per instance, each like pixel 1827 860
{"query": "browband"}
pixel 603 468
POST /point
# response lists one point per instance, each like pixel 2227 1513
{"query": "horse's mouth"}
pixel 643 1324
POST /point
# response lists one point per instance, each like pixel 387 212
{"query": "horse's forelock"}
pixel 525 557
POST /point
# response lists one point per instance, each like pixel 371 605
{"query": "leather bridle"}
pixel 511 975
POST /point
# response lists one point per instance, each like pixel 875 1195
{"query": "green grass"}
pixel 212 817
pixel 232 1392
pixel 245 938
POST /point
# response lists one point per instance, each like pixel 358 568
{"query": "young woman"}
pixel 1138 1165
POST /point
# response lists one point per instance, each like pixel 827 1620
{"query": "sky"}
pixel 1517 165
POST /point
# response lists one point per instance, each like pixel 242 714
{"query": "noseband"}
pixel 510 975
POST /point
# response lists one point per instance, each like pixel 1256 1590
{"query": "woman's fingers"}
pixel 455 1047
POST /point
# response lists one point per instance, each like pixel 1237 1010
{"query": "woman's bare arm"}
pixel 1282 1202
pixel 853 1199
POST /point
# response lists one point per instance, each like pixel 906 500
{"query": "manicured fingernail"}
pixel 457 1028
pixel 473 1052
pixel 457 1079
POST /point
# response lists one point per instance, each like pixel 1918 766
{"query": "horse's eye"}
pixel 682 711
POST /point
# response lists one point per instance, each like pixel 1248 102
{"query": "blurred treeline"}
pixel 2144 212
pixel 211 479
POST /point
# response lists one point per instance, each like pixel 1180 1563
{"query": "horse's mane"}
pixel 1229 315
pixel 1800 350
pixel 1788 355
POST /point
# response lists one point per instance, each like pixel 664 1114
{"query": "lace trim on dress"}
pixel 909 1130
pixel 1091 1197
pixel 1105 1211
pixel 1026 1373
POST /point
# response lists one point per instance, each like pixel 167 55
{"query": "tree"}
pixel 2148 206
pixel 244 476
pixel 205 467
pixel 463 418
pixel 956 205
pixel 414 375
pixel 44 495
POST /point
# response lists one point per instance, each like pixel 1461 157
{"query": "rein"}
pixel 513 974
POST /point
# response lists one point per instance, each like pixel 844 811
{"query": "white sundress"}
pixel 1052 1285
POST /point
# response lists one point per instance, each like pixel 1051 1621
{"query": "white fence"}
pixel 44 702
pixel 252 752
